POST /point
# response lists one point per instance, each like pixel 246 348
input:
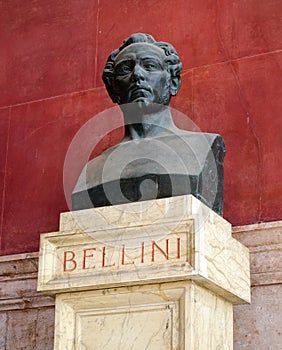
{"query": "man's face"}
pixel 140 75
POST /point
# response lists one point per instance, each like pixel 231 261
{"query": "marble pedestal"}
pixel 159 274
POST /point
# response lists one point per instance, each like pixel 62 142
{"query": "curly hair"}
pixel 174 66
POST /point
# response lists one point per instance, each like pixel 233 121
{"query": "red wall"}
pixel 52 55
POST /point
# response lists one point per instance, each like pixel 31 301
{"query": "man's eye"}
pixel 123 70
pixel 151 66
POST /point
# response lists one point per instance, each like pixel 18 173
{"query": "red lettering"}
pixel 87 256
pixel 142 252
pixel 103 258
pixel 123 258
pixel 164 253
pixel 178 248
pixel 71 260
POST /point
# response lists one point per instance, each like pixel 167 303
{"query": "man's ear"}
pixel 175 85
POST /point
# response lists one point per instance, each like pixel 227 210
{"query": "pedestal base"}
pixel 166 316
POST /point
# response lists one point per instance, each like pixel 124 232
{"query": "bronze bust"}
pixel 155 159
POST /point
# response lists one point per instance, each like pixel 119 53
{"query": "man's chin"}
pixel 135 110
pixel 142 101
pixel 146 105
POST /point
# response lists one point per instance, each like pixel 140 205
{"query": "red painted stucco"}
pixel 52 56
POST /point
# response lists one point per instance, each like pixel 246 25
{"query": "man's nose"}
pixel 137 73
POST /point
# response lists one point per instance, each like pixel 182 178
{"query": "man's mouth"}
pixel 139 93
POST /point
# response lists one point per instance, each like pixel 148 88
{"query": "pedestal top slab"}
pixel 161 240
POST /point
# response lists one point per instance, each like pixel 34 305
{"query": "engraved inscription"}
pixel 157 252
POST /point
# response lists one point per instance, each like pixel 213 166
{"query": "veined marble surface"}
pixel 161 274
pixel 163 240
pixel 179 315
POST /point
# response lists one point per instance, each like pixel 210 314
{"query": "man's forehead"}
pixel 141 50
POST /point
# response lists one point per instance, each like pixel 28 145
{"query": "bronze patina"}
pixel 155 159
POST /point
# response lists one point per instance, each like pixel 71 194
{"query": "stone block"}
pixel 175 238
pixel 160 274
pixel 21 329
pixel 179 315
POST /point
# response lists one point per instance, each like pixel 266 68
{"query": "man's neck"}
pixel 148 125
